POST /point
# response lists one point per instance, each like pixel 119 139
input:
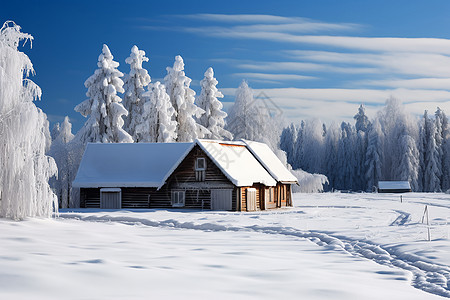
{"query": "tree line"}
pixel 393 146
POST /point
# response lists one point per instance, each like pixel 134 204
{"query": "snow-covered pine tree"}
pixel 250 119
pixel 241 118
pixel 287 142
pixel 103 105
pixel 24 135
pixel 430 164
pixel 442 134
pixel 213 118
pixel 55 131
pixel 134 86
pixel 182 98
pixel 298 147
pixel 362 121
pixel 158 123
pixel 373 155
pixel 60 152
pixel 330 154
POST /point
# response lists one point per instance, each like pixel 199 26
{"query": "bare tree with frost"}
pixel 103 105
pixel 24 135
pixel 182 98
pixel 64 160
pixel 134 86
pixel 158 123
pixel 213 118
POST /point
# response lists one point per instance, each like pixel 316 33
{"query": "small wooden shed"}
pixel 205 174
pixel 394 187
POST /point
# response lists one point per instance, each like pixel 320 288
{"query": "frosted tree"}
pixel 24 135
pixel 134 86
pixel 250 119
pixel 362 121
pixel 330 154
pixel 103 105
pixel 59 150
pixel 310 158
pixel 287 142
pixel 395 124
pixel 374 154
pixel 55 131
pixel 182 98
pixel 346 158
pixel 242 115
pixel 442 135
pixel 157 124
pixel 213 118
pixel 431 171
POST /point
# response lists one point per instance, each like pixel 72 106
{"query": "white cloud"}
pixel 341 104
pixel 273 77
pixel 422 64
pixel 418 83
pixel 273 23
pixel 303 67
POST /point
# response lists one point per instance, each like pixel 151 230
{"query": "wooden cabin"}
pixel 205 174
pixel 394 187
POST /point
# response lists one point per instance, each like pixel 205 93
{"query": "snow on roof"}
pixel 394 185
pixel 150 164
pixel 129 164
pixel 270 161
pixel 236 162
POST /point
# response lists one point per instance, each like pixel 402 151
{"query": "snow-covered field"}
pixel 329 246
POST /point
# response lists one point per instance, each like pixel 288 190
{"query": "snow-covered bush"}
pixel 307 182
pixel 24 135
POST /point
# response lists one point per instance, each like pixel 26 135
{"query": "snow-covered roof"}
pixel 394 185
pixel 129 164
pixel 150 164
pixel 270 162
pixel 236 162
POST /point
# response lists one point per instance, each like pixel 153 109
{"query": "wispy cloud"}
pixel 273 23
pixel 273 77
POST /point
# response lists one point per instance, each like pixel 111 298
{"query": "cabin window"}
pixel 200 167
pixel 200 164
pixel 178 198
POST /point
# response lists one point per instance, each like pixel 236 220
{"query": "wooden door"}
pixel 221 199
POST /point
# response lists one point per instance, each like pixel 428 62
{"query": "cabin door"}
pixel 221 199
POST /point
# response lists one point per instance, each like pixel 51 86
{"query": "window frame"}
pixel 197 168
pixel 175 198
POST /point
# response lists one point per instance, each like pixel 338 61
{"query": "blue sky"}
pixel 312 58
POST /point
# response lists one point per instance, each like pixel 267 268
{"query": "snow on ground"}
pixel 333 245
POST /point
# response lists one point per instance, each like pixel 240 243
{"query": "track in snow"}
pixel 431 278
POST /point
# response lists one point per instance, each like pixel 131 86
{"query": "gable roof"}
pixel 150 164
pixel 270 162
pixel 129 164
pixel 236 162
